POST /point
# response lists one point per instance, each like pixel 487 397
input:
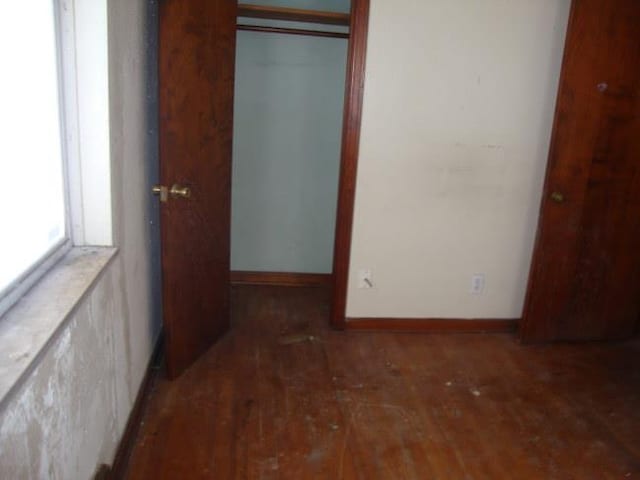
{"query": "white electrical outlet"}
pixel 477 284
pixel 364 278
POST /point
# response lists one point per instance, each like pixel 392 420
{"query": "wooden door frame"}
pixel 354 90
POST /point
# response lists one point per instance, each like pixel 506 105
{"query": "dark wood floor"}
pixel 284 397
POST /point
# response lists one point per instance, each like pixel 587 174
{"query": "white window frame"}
pixel 83 82
pixel 85 68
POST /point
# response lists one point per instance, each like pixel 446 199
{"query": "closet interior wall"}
pixel 289 96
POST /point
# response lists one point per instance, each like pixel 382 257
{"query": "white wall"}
pixel 458 108
pixel 70 413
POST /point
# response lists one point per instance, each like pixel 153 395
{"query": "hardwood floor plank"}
pixel 284 397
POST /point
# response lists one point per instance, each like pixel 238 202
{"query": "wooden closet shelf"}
pixel 293 14
pixel 292 31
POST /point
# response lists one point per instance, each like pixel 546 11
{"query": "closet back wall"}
pixel 289 97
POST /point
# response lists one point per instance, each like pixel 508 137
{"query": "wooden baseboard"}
pixel 283 279
pixel 433 325
pixel 125 447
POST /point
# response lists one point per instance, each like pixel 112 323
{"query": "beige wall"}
pixel 458 107
pixel 69 415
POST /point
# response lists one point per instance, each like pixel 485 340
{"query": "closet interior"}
pixel 288 108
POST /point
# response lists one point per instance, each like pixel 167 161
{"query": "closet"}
pixel 292 176
pixel 288 107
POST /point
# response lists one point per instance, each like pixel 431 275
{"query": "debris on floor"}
pixel 295 338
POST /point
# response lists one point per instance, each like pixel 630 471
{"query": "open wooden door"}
pixel 196 79
pixel 585 276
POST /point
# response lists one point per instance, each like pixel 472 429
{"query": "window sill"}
pixel 33 323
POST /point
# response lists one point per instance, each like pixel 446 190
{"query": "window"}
pixel 32 168
pixel 55 171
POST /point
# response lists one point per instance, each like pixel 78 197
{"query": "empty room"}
pixel 329 239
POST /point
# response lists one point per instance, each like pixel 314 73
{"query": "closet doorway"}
pixel 288 107
pixel 293 188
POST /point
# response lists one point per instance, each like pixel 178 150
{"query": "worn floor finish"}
pixel 284 397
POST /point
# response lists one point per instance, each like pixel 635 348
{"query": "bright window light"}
pixel 32 198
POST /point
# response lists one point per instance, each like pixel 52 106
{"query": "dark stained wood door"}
pixel 585 277
pixel 196 75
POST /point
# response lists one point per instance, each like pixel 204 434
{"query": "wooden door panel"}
pixel 585 277
pixel 196 71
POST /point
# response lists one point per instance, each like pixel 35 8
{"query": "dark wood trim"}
pixel 293 14
pixel 283 279
pixel 291 31
pixel 433 325
pixel 349 158
pixel 125 447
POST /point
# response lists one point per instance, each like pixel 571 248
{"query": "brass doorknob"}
pixel 162 191
pixel 178 191
pixel 557 197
